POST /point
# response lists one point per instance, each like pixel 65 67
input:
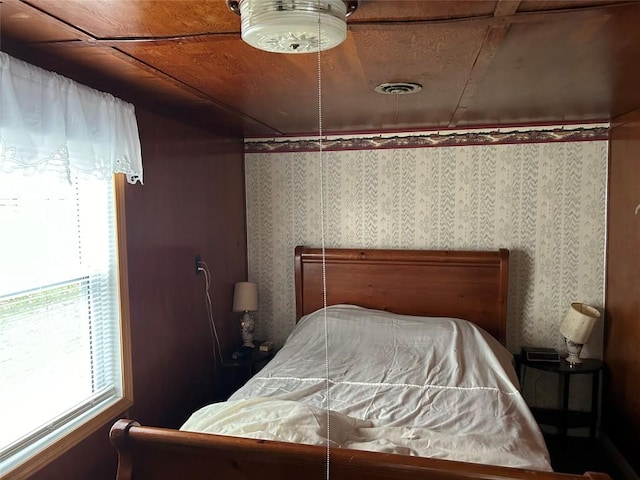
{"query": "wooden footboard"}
pixel 147 453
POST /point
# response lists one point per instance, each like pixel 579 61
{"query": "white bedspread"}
pixel 436 387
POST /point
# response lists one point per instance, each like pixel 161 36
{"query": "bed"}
pixel 436 397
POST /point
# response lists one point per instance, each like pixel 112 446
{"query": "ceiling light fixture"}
pixel 291 26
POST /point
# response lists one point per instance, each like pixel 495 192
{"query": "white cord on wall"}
pixel 202 266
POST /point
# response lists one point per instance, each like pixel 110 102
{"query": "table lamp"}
pixel 576 329
pixel 245 299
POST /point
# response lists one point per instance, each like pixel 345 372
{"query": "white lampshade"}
pixel 291 26
pixel 245 297
pixel 579 322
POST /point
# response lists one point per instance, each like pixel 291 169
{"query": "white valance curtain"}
pixel 49 122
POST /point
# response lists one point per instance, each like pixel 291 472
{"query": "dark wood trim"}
pixel 488 50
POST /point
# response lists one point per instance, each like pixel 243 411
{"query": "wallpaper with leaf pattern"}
pixel 545 202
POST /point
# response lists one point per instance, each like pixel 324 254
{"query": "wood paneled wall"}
pixel 621 413
pixel 192 203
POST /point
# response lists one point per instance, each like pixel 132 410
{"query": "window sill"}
pixel 30 464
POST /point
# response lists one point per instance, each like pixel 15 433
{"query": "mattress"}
pixel 426 386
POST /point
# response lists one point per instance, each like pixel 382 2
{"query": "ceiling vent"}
pixel 398 88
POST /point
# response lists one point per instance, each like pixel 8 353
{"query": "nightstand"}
pixel 237 372
pixel 564 419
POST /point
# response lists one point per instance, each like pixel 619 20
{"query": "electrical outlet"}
pixel 197 264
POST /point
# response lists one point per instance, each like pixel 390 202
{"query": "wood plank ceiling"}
pixel 480 62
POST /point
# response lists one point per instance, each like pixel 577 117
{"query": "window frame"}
pixel 39 460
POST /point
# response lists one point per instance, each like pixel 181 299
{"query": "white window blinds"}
pixel 59 309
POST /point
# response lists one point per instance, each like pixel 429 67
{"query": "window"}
pixel 64 350
pixel 64 365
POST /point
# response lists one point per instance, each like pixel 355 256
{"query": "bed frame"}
pixel 469 285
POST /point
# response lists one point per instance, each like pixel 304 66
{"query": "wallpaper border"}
pixel 430 139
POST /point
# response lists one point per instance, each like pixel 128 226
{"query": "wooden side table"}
pixel 237 372
pixel 565 419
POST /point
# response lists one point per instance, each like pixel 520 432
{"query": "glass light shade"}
pixel 291 26
pixel 245 297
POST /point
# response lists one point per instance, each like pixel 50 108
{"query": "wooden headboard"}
pixel 471 285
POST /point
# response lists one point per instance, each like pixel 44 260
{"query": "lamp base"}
pixel 573 350
pixel 247 326
pixel 573 359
